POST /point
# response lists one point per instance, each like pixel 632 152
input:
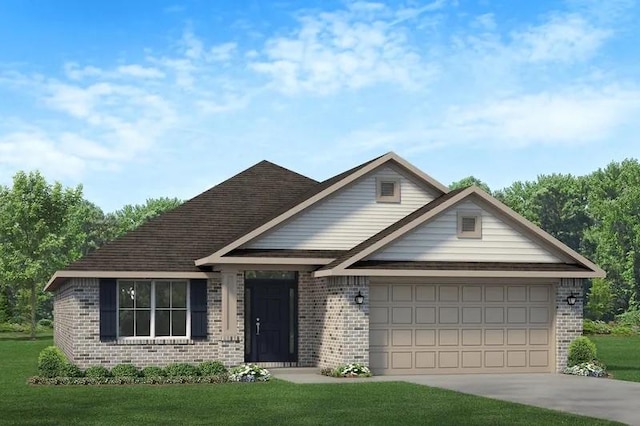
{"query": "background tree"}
pixel 41 231
pixel 131 216
pixel 468 181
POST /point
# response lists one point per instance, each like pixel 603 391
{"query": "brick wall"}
pixel 568 318
pixel 343 326
pixel 77 332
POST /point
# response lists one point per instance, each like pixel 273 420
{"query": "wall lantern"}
pixel 572 299
pixel 359 298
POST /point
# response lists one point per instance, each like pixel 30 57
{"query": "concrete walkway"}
pixel 603 398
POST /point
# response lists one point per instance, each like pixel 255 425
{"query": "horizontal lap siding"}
pixel 347 218
pixel 438 241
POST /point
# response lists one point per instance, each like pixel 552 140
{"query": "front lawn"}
pixel 621 355
pixel 275 402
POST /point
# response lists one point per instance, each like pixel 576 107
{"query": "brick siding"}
pixel 568 318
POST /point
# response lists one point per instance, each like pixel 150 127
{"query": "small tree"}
pixel 600 300
pixel 40 232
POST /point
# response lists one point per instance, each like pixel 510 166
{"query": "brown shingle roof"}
pixel 202 225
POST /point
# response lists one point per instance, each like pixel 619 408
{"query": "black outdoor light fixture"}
pixel 572 299
pixel 359 298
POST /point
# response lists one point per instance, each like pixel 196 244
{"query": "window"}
pixel 153 309
pixel 469 224
pixel 387 190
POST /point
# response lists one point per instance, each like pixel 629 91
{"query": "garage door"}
pixel 460 328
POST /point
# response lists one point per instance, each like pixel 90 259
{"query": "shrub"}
pixel 51 362
pixel 623 330
pixel 97 371
pixel 181 370
pixel 581 350
pixel 71 370
pixel 45 323
pixel 212 368
pixel 631 318
pixel 595 327
pixel 353 369
pixel 249 373
pixel 593 369
pixel 126 380
pixel 153 372
pixel 125 370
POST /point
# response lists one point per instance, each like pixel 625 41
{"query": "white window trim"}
pixel 477 215
pixel 395 198
pixel 152 325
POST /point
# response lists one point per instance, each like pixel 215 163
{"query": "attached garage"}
pixel 419 326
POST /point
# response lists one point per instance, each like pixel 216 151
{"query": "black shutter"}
pixel 198 308
pixel 108 311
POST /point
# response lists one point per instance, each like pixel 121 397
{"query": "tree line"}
pixel 45 226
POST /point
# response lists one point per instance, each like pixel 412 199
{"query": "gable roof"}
pixel 318 193
pixel 171 241
pixel 426 213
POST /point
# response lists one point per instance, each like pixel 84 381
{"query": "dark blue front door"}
pixel 270 327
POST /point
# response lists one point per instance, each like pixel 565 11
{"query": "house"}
pixel 381 265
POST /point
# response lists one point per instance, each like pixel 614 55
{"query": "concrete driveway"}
pixel 604 398
pixel 587 396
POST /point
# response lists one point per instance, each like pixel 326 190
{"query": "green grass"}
pixel 275 402
pixel 621 355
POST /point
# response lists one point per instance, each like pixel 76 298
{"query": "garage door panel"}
pixel 401 338
pixel 378 315
pixel 472 315
pixel 425 359
pixel 494 315
pixel 516 293
pixel 425 293
pixel 402 360
pixel 456 328
pixel 425 315
pixel 516 337
pixel 425 337
pixel 448 293
pixel 539 358
pixel 471 293
pixel 379 293
pixel 471 359
pixel 448 315
pixel 471 337
pixel 494 337
pixel 516 358
pixel 539 336
pixel 517 315
pixel 448 359
pixel 539 315
pixel 402 293
pixel 448 337
pixel 401 315
pixel 379 338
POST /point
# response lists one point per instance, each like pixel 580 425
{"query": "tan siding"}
pixel 347 218
pixel 438 241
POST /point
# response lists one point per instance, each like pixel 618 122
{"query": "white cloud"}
pixel 139 71
pixel 343 50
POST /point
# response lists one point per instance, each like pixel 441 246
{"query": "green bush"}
pixel 153 372
pixel 581 350
pixel 52 362
pixel 181 370
pixel 45 323
pixel 631 318
pixel 71 370
pixel 97 371
pixel 595 327
pixel 623 330
pixel 125 370
pixel 212 368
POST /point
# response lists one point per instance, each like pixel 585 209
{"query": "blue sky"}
pixel 150 98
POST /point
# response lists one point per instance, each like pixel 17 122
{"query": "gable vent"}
pixel 469 224
pixel 387 189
